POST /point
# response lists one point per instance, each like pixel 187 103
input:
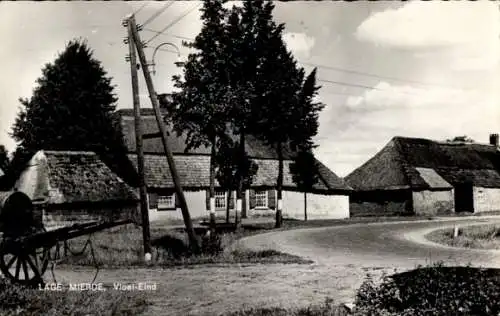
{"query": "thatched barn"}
pixel 76 186
pixel 421 176
pixel 328 199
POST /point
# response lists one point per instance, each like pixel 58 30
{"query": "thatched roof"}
pixel 66 177
pixel 425 164
pixel 254 147
pixel 193 171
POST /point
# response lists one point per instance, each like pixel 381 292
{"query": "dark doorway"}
pixel 464 198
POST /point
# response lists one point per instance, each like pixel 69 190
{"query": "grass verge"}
pixel 122 247
pixel 477 236
pixel 18 300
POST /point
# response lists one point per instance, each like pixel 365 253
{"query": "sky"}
pixel 415 69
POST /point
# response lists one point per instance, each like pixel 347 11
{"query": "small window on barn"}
pixel 220 200
pixel 261 199
pixel 166 202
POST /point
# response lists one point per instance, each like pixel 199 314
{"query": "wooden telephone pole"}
pixel 138 141
pixel 163 131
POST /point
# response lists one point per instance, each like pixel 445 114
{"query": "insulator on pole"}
pixel 125 40
pixel 139 27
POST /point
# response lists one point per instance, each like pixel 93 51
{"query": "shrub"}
pixel 435 290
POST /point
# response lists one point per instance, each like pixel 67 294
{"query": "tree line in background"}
pixel 242 80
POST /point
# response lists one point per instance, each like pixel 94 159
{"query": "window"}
pixel 261 199
pixel 220 199
pixel 166 201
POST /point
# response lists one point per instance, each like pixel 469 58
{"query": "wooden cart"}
pixel 26 244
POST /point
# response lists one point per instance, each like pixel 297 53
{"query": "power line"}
pixel 354 85
pixel 140 9
pixel 361 73
pixel 157 13
pixel 169 35
pixel 367 74
pixel 173 22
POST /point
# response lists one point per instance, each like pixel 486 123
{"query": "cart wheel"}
pixel 24 267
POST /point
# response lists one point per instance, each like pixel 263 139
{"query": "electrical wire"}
pixel 157 13
pixel 140 9
pixel 173 23
pixel 367 74
pixel 361 73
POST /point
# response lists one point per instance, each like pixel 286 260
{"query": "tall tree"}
pixel 199 107
pixel 304 170
pixel 279 86
pixel 71 108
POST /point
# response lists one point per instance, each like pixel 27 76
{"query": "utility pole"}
pixel 138 142
pixel 163 131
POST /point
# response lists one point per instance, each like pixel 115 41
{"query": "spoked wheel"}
pixel 23 266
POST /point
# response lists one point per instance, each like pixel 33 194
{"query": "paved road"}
pixel 399 245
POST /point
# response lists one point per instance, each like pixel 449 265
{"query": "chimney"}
pixel 494 140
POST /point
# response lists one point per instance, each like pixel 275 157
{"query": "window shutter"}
pixel 231 200
pixel 153 200
pixel 207 200
pixel 271 199
pixel 251 199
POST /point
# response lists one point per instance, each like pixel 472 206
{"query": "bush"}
pixel 435 290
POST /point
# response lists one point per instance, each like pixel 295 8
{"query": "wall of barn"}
pixel 319 206
pixel 381 203
pixel 433 202
pixel 53 219
pixel 486 199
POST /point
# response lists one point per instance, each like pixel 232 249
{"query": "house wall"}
pixel 318 206
pixel 486 199
pixel 381 203
pixel 433 202
pixel 196 201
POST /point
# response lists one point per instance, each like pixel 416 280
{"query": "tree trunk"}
pixel 305 205
pixel 239 190
pixel 212 186
pixel 228 205
pixel 279 187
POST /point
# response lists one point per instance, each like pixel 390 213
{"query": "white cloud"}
pixel 387 96
pixel 467 33
pixel 431 112
pixel 299 43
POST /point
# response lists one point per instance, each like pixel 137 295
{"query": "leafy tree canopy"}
pixel 71 108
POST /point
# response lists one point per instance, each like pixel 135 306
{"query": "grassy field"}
pixel 477 236
pixel 122 247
